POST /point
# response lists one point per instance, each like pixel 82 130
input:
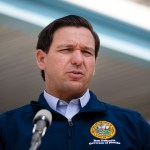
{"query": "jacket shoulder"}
pixel 119 109
pixel 124 112
pixel 23 109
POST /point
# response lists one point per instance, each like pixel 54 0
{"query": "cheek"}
pixel 56 64
pixel 91 67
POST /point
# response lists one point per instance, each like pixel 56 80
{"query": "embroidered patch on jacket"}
pixel 103 130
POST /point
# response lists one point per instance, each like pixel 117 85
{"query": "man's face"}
pixel 70 62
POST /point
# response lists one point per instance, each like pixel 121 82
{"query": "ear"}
pixel 40 59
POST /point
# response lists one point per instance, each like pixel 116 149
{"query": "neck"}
pixel 67 96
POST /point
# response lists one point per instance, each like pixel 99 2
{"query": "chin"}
pixel 76 87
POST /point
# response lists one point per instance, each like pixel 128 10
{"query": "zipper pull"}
pixel 70 122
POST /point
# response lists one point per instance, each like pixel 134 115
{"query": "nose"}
pixel 77 58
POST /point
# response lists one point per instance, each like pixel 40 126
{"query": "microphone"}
pixel 42 121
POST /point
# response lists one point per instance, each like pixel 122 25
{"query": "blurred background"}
pixel 123 66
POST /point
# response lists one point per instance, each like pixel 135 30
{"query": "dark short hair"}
pixel 45 37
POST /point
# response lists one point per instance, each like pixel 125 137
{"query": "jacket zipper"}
pixel 70 123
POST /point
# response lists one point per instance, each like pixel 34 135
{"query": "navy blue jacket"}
pixel 98 126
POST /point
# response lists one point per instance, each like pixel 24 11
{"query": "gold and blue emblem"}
pixel 103 130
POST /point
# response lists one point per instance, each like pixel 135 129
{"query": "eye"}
pixel 88 53
pixel 66 50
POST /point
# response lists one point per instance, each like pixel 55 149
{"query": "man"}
pixel 66 55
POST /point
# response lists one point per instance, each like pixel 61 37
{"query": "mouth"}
pixel 75 74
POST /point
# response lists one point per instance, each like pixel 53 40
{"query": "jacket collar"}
pixel 94 105
pixel 41 103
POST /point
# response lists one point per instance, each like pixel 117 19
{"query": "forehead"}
pixel 71 33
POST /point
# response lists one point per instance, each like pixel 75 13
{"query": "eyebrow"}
pixel 71 45
pixel 88 48
pixel 65 45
